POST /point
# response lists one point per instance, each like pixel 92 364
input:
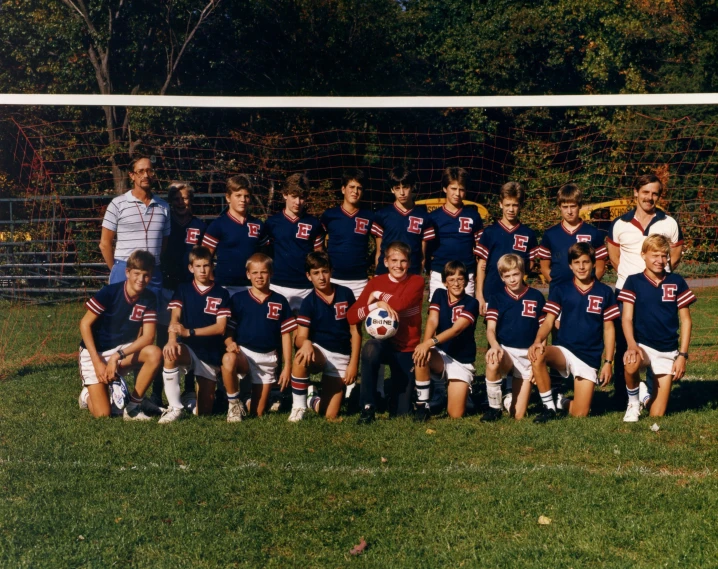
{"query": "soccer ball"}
pixel 380 325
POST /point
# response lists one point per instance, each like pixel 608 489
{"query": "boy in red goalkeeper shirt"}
pixel 401 294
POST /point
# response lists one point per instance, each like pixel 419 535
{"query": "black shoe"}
pixel 367 415
pixel 491 415
pixel 422 413
pixel 546 416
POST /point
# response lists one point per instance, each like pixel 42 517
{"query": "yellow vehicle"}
pixel 602 214
pixel 435 203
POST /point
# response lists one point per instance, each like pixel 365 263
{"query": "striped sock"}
pixel 422 391
pixel 493 392
pixel 135 400
pixel 299 392
pixel 172 387
pixel 314 403
pixel 232 396
pixel 632 395
pixel 547 400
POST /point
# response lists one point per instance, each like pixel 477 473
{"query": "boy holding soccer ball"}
pixel 449 347
pixel 655 302
pixel 325 341
pixel 401 295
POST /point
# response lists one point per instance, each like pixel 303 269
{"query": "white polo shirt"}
pixel 138 226
pixel 628 234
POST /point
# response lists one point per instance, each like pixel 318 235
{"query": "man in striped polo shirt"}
pixel 135 220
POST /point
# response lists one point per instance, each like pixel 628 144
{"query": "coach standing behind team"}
pixel 624 243
pixel 137 220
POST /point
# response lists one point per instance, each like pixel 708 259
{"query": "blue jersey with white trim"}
pixel 175 257
pixel 327 321
pixel 457 237
pixel 655 308
pixel 348 243
pixel 412 227
pixel 498 240
pixel 199 310
pixel 119 316
pixel 462 347
pixel 234 242
pixel 293 239
pixel 518 317
pixel 259 324
pixel 582 316
pixel 556 242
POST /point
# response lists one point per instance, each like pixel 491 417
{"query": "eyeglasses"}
pixel 143 171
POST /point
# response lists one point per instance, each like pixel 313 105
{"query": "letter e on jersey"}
pixel 137 312
pixel 212 305
pixel 253 230
pixel 583 238
pixel 415 224
pixel 273 311
pixel 529 310
pixel 465 224
pixel 303 230
pixel 456 312
pixel 594 304
pixel 192 236
pixel 669 292
pixel 520 242
pixel 340 310
pixel 361 226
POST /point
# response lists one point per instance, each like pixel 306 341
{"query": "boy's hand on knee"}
pixel 421 354
pixel 305 355
pixel 233 348
pixel 535 352
pixel 494 356
pixel 172 350
pixel 632 356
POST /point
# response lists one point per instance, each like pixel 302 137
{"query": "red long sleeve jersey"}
pixel 405 297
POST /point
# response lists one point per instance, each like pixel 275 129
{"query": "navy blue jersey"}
pixel 327 321
pixel 199 310
pixel 259 325
pixel 412 227
pixel 293 240
pixel 462 347
pixel 234 242
pixel 348 243
pixel 556 242
pixel 120 317
pixel 175 258
pixel 518 317
pixel 582 316
pixel 457 237
pixel 655 308
pixel 498 240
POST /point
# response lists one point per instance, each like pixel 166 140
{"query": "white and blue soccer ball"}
pixel 380 325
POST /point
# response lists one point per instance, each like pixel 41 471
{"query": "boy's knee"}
pixel 152 355
pixel 229 361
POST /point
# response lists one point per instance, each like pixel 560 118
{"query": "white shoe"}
pixel 632 413
pixel 508 399
pixel 297 414
pixel 643 393
pixel 236 411
pixel 82 399
pixel 275 402
pixel 135 414
pixel 311 391
pixel 151 408
pixel 189 400
pixel 172 414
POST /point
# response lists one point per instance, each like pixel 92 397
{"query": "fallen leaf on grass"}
pixel 118 520
pixel 655 428
pixel 80 537
pixel 544 521
pixel 430 431
pixel 168 521
pixel 384 460
pixel 359 548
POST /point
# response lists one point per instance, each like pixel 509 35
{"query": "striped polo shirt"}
pixel 138 226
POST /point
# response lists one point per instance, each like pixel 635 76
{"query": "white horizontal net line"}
pixel 362 102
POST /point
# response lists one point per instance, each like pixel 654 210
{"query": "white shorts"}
pixel 356 286
pixel 262 367
pixel 164 314
pixel 293 295
pixel 232 290
pixel 520 360
pixel 87 370
pixel 577 367
pixel 435 283
pixel 199 367
pixel 661 362
pixel 336 363
pixel 454 369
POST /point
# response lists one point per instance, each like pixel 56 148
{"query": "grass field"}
pixel 78 492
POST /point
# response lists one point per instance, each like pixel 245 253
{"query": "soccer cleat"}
pixel 643 394
pixel 82 399
pixel 236 411
pixel 491 415
pixel 422 413
pixel 367 415
pixel 563 402
pixel 633 412
pixel 297 414
pixel 312 391
pixel 172 414
pixel 546 416
pixel 135 413
pixel 151 408
pixel 189 400
pixel 508 399
pixel 120 393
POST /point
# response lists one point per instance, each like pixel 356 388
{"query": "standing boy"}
pixel 200 310
pixel 117 332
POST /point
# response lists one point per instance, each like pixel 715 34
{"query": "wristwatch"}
pixel 435 340
pixel 684 354
pixel 191 332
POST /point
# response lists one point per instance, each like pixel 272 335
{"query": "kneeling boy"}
pixel 260 331
pixel 587 309
pixel 513 317
pixel 117 331
pixel 325 341
pixel 654 303
pixel 449 347
pixel 200 310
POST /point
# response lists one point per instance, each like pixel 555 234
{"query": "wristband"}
pixel 191 332
pixel 609 362
pixel 122 354
pixel 684 354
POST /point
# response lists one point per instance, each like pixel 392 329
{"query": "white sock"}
pixel 299 392
pixel 547 399
pixel 493 392
pixel 172 387
pixel 422 391
pixel 632 395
